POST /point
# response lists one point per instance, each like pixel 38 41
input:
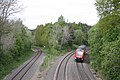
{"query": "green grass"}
pixel 48 61
pixel 51 56
pixel 7 68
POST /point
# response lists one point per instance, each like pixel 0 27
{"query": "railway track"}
pixel 61 68
pixel 68 69
pixel 84 72
pixel 19 74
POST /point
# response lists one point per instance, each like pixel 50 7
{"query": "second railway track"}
pixel 20 73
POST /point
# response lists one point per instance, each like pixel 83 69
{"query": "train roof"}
pixel 82 46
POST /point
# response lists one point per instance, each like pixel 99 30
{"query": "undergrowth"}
pixel 8 63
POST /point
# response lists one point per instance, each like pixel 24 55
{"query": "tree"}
pixel 108 7
pixel 41 35
pixel 105 40
pixel 7 8
pixel 61 20
pixel 68 35
pixel 79 37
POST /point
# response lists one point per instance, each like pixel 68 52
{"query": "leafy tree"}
pixel 41 36
pixel 105 40
pixel 61 35
pixel 18 47
pixel 108 7
pixel 68 35
pixel 79 37
pixel 61 20
pixel 7 8
pixel 56 35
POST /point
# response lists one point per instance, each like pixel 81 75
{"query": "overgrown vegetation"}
pixel 15 38
pixel 16 47
pixel 50 58
pixel 61 34
pixel 105 40
pixel 8 63
pixel 60 37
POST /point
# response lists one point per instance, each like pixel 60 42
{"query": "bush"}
pixel 8 61
pixel 105 47
pixel 110 62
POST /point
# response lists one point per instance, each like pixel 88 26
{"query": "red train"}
pixel 80 53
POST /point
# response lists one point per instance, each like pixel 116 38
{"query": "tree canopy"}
pixel 108 7
pixel 61 34
pixel 105 40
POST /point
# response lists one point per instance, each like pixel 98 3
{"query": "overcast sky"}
pixel 38 12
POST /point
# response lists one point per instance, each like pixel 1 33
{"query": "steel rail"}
pixel 60 63
pixel 80 76
pixel 66 64
pixel 85 72
pixel 32 61
pixel 90 78
pixel 82 71
pixel 66 68
pixel 30 67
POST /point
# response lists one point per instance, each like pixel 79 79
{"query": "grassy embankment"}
pixel 53 54
pixel 50 57
pixel 10 63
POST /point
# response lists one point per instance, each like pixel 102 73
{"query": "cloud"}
pixel 44 11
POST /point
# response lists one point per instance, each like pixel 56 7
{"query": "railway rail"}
pixel 68 69
pixel 62 67
pixel 84 72
pixel 19 74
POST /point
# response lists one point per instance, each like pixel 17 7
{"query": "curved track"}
pixel 68 69
pixel 20 73
pixel 84 72
pixel 61 68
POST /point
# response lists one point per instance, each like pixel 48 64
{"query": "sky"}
pixel 37 12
